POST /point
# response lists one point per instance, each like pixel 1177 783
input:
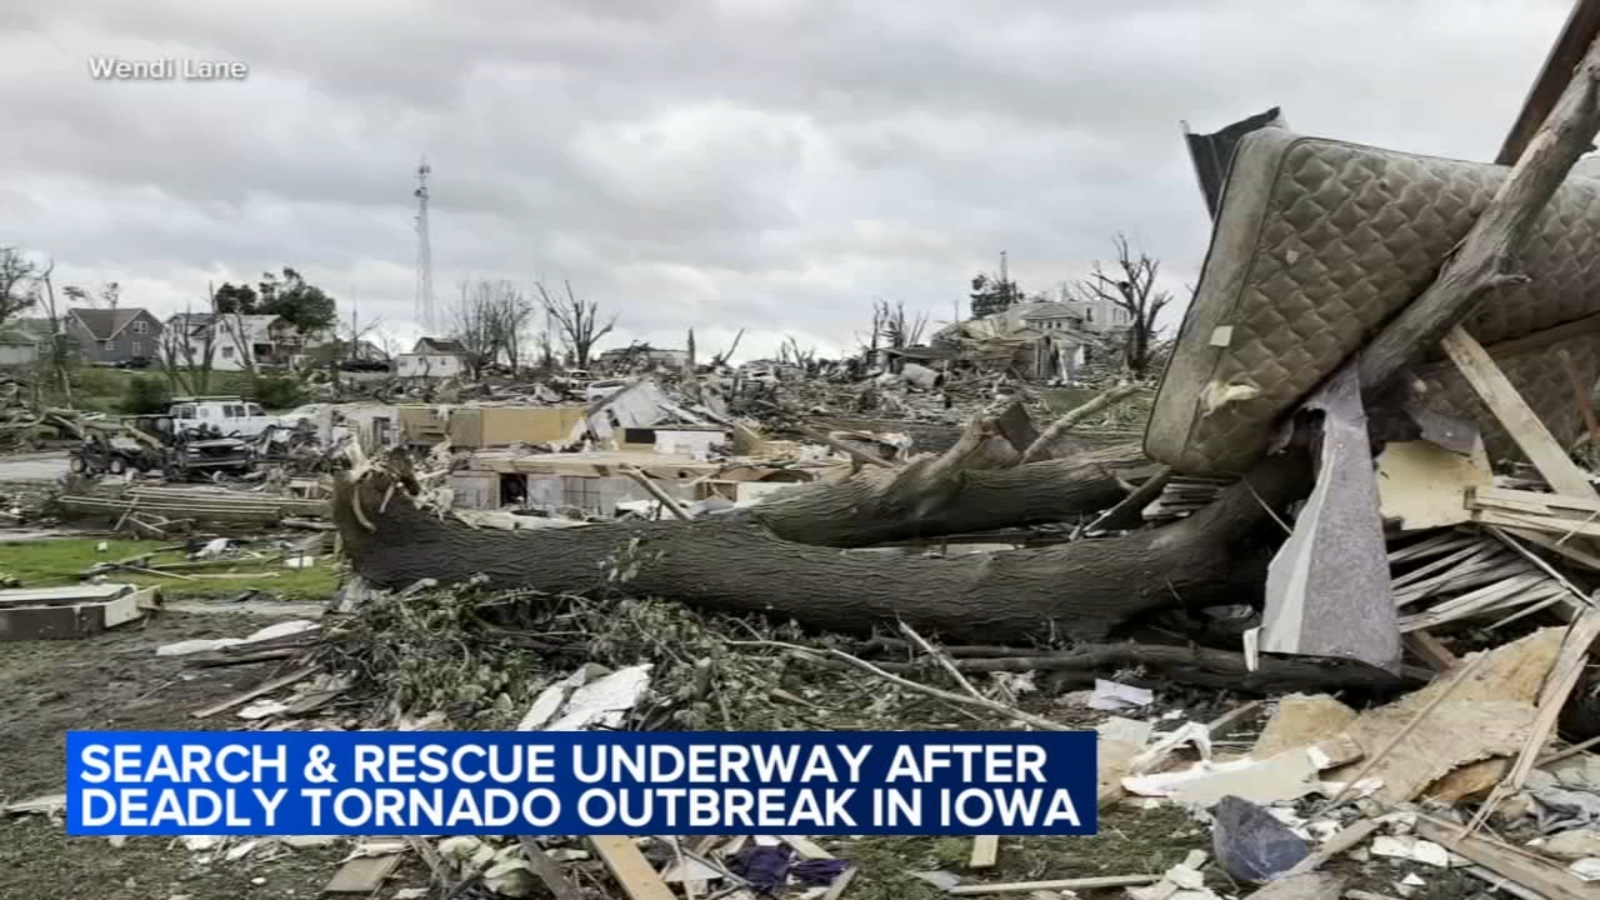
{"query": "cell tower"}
pixel 424 251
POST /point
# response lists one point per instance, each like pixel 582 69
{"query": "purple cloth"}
pixel 818 871
pixel 766 868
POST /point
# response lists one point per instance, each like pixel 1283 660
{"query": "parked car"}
pixel 221 416
pixel 203 457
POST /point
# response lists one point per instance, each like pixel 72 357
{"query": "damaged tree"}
pixel 577 322
pixel 1130 289
pixel 1084 589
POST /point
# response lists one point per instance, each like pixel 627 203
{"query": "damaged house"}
pixel 1043 340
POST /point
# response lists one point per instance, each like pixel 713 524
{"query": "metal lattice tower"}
pixel 424 252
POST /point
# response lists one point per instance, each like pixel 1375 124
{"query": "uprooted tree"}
pixel 783 556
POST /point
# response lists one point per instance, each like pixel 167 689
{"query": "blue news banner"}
pixel 537 783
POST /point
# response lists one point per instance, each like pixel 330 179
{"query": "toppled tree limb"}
pixel 1083 589
pixel 1041 447
pixel 1485 259
pixel 974 699
pixel 943 661
pixel 960 491
pixel 1203 667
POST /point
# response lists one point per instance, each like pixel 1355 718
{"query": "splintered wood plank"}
pixel 1563 678
pixel 1061 884
pixel 637 877
pixel 1430 650
pixel 985 851
pixel 259 691
pixel 840 884
pixel 1519 419
pixel 1530 871
pixel 362 876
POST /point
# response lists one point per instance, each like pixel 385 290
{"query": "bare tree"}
pixel 512 311
pixel 898 330
pixel 473 325
pixel 789 352
pixel 491 323
pixel 721 359
pixel 187 366
pixel 237 332
pixel 577 322
pixel 1130 288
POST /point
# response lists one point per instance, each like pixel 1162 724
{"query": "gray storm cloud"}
pixel 764 164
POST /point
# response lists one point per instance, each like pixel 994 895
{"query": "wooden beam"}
pixel 1519 419
pixel 1485 258
pixel 629 867
pixel 1583 26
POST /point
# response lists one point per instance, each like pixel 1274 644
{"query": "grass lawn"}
pixel 105 390
pixel 51 562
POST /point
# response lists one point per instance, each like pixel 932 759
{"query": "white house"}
pixel 237 342
pixel 431 358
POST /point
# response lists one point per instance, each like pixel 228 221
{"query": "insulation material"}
pixel 1422 485
pixel 1328 585
pixel 1488 716
pixel 1316 245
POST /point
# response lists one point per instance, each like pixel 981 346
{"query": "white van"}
pixel 232 416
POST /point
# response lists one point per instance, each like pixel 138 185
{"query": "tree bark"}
pixel 1082 590
pixel 951 494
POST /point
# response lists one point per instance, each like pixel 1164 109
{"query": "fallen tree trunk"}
pixel 1082 590
pixel 937 496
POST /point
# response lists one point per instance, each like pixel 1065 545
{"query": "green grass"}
pixel 53 562
pixel 102 390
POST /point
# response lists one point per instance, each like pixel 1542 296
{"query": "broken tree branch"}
pixel 977 701
pixel 1040 448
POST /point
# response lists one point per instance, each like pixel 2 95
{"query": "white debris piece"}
pixel 280 630
pixel 1586 869
pixel 1112 696
pixel 1412 848
pixel 263 709
pixel 605 702
pixel 1189 733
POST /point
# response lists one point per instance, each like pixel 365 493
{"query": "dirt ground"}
pixel 115 681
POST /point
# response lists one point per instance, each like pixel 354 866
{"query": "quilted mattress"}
pixel 1317 244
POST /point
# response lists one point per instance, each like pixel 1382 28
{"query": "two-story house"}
pixel 109 336
pixel 237 342
pixel 432 358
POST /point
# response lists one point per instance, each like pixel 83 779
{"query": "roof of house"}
pixel 924 352
pixel 438 345
pixel 106 324
pixel 1048 309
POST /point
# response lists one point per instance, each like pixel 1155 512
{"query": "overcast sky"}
pixel 765 164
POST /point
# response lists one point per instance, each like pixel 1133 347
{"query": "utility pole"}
pixel 424 251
